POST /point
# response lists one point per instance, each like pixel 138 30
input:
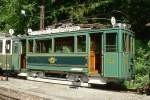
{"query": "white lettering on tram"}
pixel 57 30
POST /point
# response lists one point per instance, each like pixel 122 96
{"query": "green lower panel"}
pixel 6 62
pixel 16 61
pixel 61 60
pixel 126 68
pixel 59 68
pixel 111 68
pixel 125 65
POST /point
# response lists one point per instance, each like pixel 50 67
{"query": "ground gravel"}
pixel 64 92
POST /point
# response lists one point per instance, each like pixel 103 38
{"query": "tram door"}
pixel 23 54
pixel 95 54
pixel 16 55
pixel 110 68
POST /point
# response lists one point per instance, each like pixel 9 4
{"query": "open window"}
pixel 81 43
pixel 64 44
pixel 111 42
pixel 8 46
pixel 23 46
pixel 43 46
pixel 30 46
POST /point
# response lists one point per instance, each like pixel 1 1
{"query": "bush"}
pixel 142 64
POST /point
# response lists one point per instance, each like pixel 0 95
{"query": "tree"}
pixel 136 12
pixel 55 11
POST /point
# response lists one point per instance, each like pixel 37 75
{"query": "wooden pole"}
pixel 42 14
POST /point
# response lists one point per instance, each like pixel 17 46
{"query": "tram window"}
pixel 64 44
pixel 133 42
pixel 15 50
pixel 8 46
pixel 111 42
pixel 81 46
pixel 43 46
pixel 1 46
pixel 23 46
pixel 30 46
pixel 125 42
pixel 131 45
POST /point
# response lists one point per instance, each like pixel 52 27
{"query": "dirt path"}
pixel 63 92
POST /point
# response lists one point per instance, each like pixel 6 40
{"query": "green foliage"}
pixel 136 12
pixel 142 64
pixel 55 11
pixel 10 15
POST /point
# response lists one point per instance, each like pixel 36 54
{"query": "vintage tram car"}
pixel 82 55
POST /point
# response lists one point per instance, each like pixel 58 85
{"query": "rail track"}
pixel 6 97
pixel 108 87
pixel 34 89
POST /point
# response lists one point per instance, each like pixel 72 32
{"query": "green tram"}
pixel 5 52
pixel 102 55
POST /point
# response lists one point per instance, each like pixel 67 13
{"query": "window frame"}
pixel 74 40
pixel 126 43
pixel 34 45
pixel 10 46
pixel 28 49
pixel 85 43
pixel 116 41
pixel 52 38
pixel 43 39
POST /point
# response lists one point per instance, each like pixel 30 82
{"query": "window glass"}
pixel 43 46
pixel 30 46
pixel 8 46
pixel 15 48
pixel 81 46
pixel 64 45
pixel 1 46
pixel 111 42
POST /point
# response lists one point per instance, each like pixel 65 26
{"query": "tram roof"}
pixel 82 32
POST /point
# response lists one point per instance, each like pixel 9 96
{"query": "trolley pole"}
pixel 42 15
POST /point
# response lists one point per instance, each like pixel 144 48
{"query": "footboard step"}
pixel 54 81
